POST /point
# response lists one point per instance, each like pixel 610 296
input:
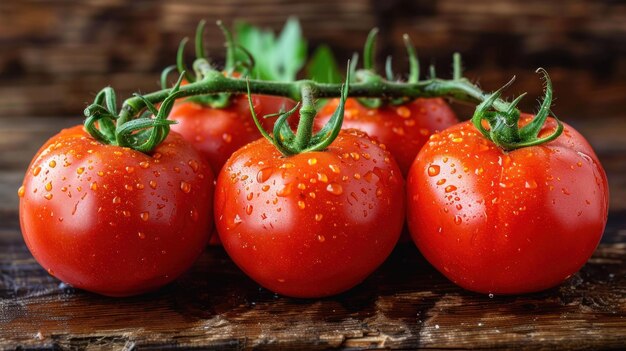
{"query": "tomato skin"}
pixel 313 224
pixel 403 129
pixel 506 222
pixel 217 133
pixel 113 220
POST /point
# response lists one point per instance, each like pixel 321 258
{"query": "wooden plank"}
pixel 405 304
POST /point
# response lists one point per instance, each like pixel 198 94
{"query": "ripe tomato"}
pixel 403 129
pixel 113 220
pixel 506 222
pixel 312 224
pixel 217 133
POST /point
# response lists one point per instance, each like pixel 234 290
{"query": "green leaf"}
pixel 323 67
pixel 277 59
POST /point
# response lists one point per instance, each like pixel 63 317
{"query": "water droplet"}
pixel 128 187
pixel 301 186
pixel 457 220
pixel 153 184
pixel 249 209
pixel 52 163
pixel 36 171
pixel 285 191
pixel 94 186
pixel 403 112
pixel 355 156
pixel 334 168
pixel 130 169
pixel 312 194
pixel 312 161
pixel 334 189
pixel 318 217
pixel 322 177
pixel 126 213
pixel 194 165
pixel 193 213
pixel 237 219
pixel 139 186
pixel 145 216
pixel 21 191
pixel 457 140
pixel 80 170
pixel 156 155
pixel 48 196
pixel 398 130
pixel 301 205
pixel 479 171
pixel 265 187
pixel 63 189
pixel 227 137
pixel 450 188
pixel 433 170
pixel 185 187
pixel 144 164
pixel 379 192
pixel 321 238
pixel 530 184
pixel 117 200
pixel 441 181
pixel 48 186
pixel 264 174
pixel 565 191
pixel 357 176
pixel 459 206
pixel 141 235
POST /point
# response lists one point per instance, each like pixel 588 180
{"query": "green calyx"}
pixel 143 133
pixel 503 121
pixel 303 140
pixel 140 125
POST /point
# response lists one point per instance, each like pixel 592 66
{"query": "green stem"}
pixel 307 114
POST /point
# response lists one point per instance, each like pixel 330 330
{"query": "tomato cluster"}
pixel 501 204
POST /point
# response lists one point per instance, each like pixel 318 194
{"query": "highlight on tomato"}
pixel 305 217
pixel 121 211
pixel 507 203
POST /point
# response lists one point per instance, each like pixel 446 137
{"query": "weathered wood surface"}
pixel 55 55
pixel 404 304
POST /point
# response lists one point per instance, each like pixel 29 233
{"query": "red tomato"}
pixel 217 133
pixel 506 222
pixel 313 224
pixel 113 220
pixel 403 129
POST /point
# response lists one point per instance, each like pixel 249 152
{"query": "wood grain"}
pixel 57 54
pixel 405 304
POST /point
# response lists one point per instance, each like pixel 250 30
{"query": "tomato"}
pixel 312 224
pixel 403 129
pixel 113 220
pixel 506 222
pixel 217 133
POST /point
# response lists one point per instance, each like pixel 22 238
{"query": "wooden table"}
pixel 404 304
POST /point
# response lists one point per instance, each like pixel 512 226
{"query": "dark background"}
pixel 55 55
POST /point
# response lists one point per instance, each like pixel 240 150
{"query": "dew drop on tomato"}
pixel 334 189
pixel 264 174
pixel 433 170
pixel 185 187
